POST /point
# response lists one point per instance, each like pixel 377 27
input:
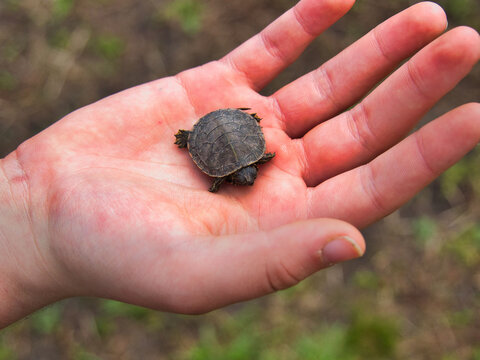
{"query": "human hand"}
pixel 110 207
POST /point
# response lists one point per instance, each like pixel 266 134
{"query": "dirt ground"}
pixel 415 294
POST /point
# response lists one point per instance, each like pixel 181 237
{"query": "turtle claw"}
pixel 256 117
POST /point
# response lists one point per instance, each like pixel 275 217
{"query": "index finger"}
pixel 265 55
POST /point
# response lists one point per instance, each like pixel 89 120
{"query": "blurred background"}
pixel 414 295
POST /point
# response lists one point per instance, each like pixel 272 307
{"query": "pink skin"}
pixel 110 207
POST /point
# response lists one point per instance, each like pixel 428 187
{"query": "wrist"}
pixel 24 281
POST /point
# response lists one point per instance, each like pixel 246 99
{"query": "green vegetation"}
pixel 372 336
pixel 47 320
pixel 424 229
pixel 113 308
pixel 6 352
pixel 108 46
pixel 10 51
pixel 62 8
pixel 366 335
pixel 243 346
pixel 462 318
pixel 12 5
pixel 188 13
pixel 82 354
pixel 465 173
pixel 367 279
pixel 60 38
pixel 466 246
pixel 7 81
pixel 326 344
pixel 460 10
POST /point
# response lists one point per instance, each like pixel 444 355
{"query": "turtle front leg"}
pixel 256 117
pixel 266 157
pixel 182 138
pixel 216 184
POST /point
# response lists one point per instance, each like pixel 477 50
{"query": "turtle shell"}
pixel 225 141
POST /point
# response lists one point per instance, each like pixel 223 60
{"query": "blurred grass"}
pixel 188 13
pixel 108 46
pixel 7 81
pixel 416 293
pixel 466 246
pixel 366 335
pixel 6 352
pixel 463 11
pixel 466 173
pixel 47 321
pixel 62 8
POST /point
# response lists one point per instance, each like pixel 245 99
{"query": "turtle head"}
pixel 244 176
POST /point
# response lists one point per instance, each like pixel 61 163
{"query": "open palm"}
pixel 126 214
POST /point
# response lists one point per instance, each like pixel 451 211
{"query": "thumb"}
pixel 233 268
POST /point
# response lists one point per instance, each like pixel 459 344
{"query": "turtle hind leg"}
pixel 266 157
pixel 182 138
pixel 216 184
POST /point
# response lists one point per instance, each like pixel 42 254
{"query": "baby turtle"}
pixel 226 144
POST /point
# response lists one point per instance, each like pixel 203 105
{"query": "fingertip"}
pixel 471 39
pixel 429 17
pixel 357 236
pixel 341 249
pixel 350 244
pixel 351 232
pixel 473 112
pixel 314 14
pixel 332 240
pixel 468 33
pixel 470 109
pixel 336 6
pixel 436 13
pixel 458 46
pixel 465 119
pixel 341 6
pixel 444 141
pixel 297 250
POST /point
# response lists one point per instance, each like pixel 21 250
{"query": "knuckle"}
pixel 369 185
pixel 280 277
pixel 358 124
